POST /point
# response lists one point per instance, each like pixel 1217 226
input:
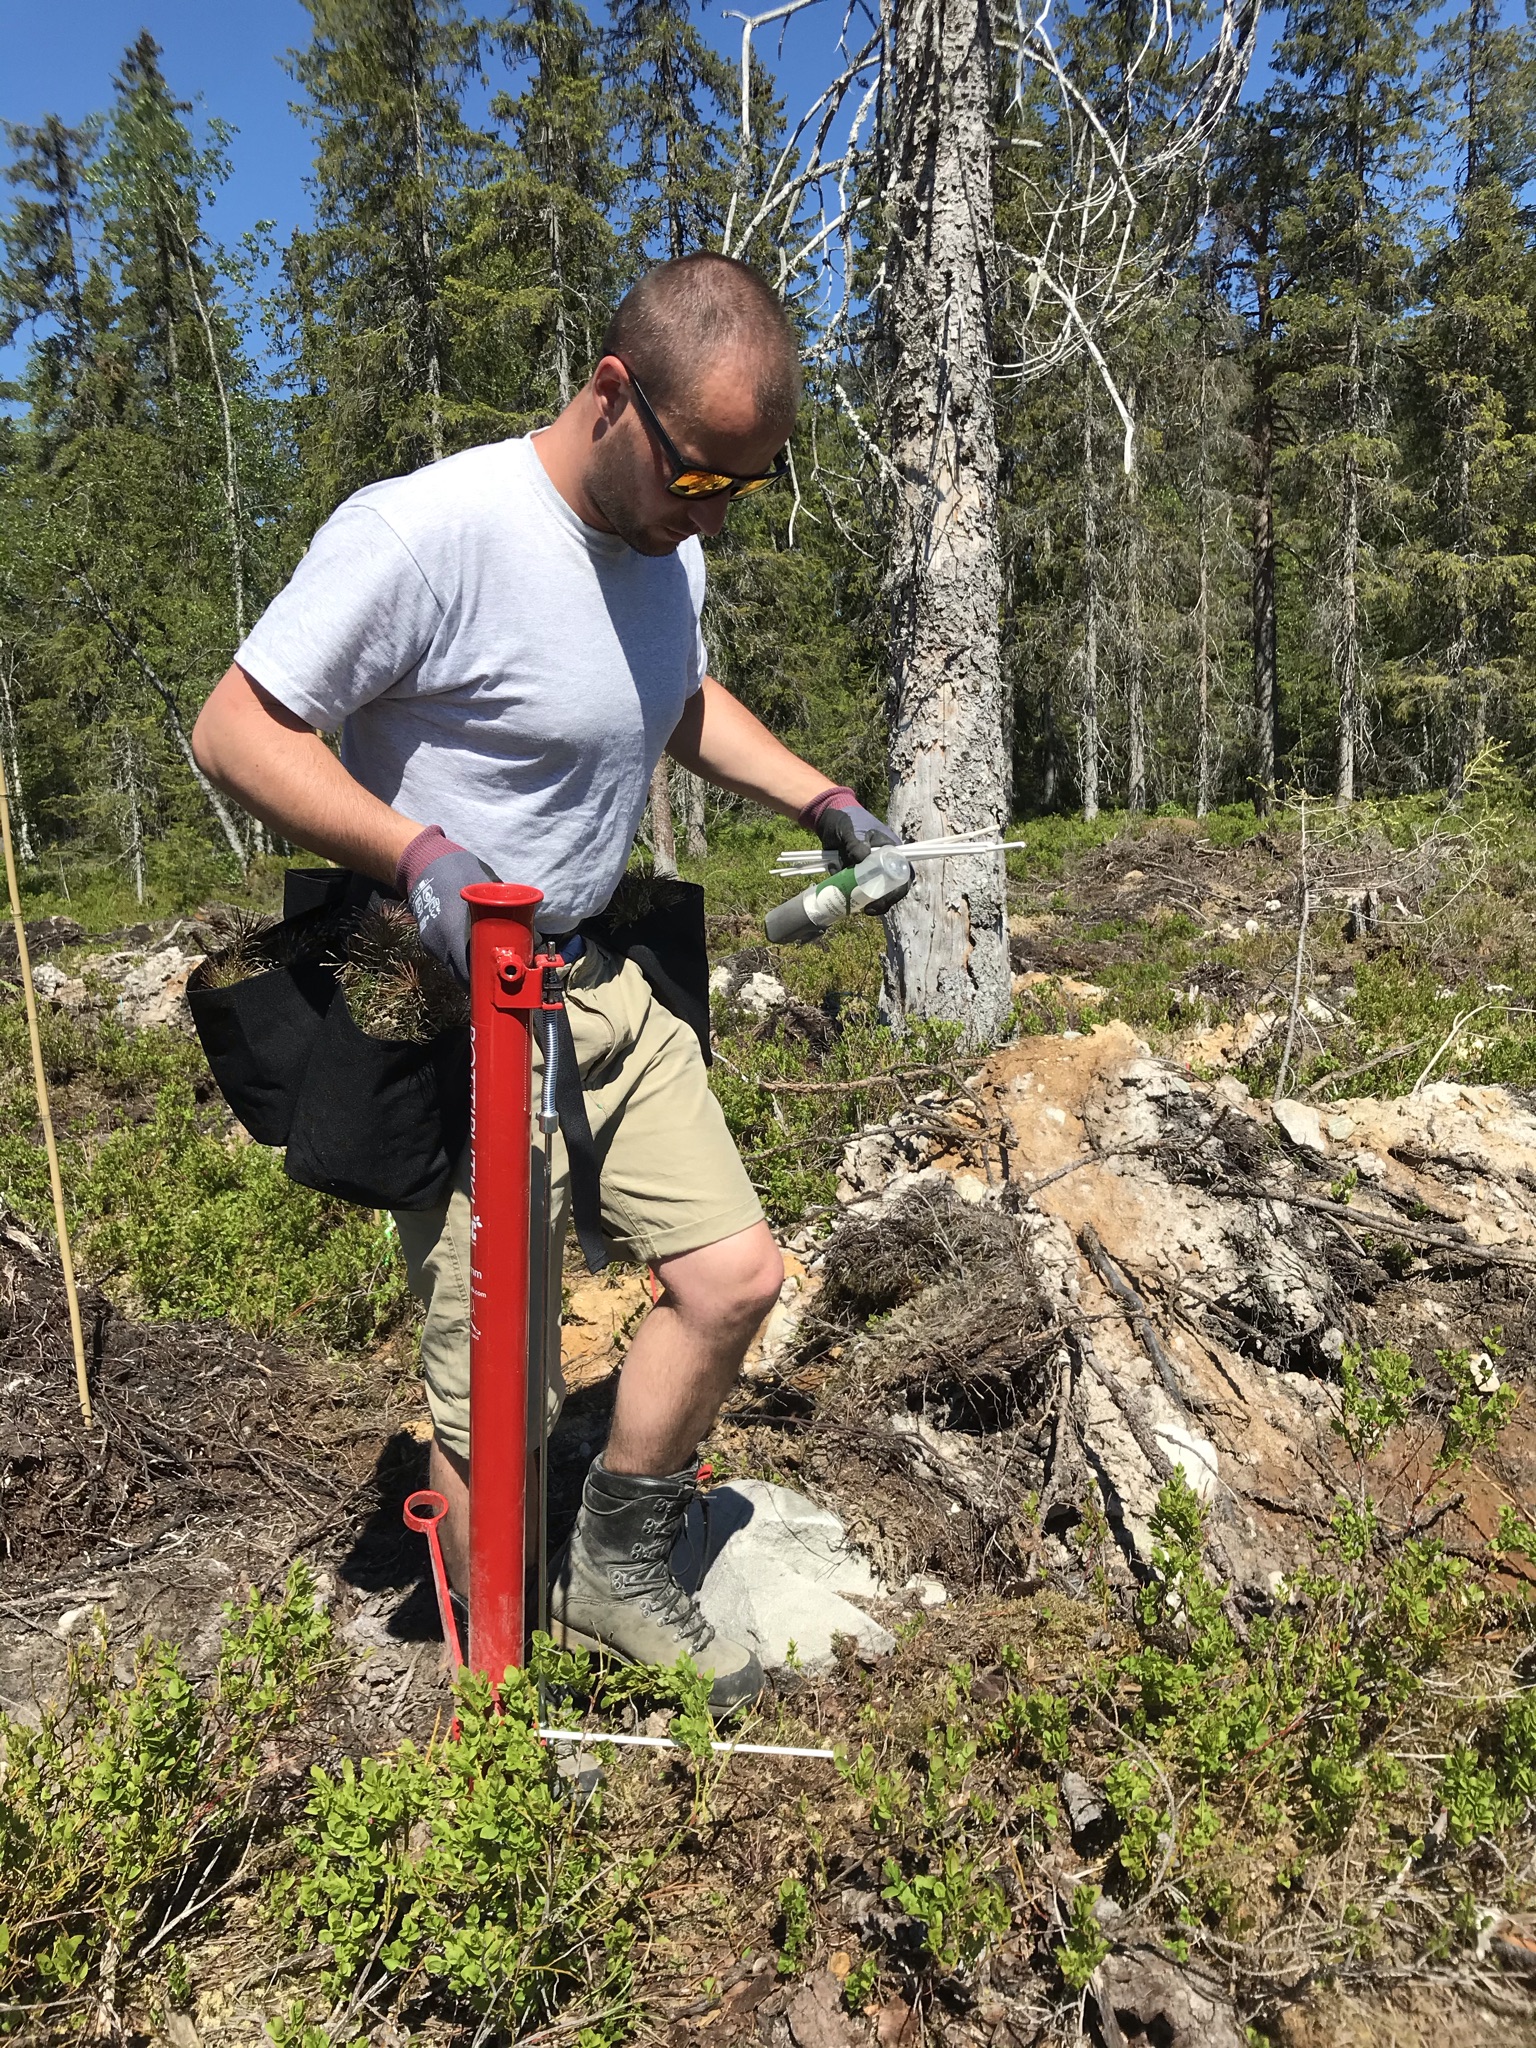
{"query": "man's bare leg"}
pixel 688 1351
pixel 449 1473
pixel 678 1370
pixel 615 1591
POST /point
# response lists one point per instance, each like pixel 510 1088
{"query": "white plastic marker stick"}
pixel 811 860
pixel 596 1737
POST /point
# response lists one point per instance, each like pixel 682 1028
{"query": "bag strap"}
pixel 580 1146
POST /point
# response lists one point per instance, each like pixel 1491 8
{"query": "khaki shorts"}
pixel 671 1180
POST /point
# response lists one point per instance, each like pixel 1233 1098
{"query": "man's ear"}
pixel 610 387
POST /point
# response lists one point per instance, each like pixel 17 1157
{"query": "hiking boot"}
pixel 614 1591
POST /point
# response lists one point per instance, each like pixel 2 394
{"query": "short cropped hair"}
pixel 684 314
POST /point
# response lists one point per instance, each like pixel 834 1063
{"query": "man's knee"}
pixel 733 1282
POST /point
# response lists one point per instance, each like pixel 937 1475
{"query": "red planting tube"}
pixel 505 989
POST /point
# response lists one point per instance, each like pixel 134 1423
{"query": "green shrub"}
pixel 464 1873
pixel 197 1226
pixel 125 1798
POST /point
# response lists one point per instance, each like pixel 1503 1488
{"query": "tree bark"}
pixel 663 840
pixel 695 844
pixel 1203 675
pixel 1266 655
pixel 1135 647
pixel 947 951
pixel 12 757
pixel 1347 677
pixel 1088 702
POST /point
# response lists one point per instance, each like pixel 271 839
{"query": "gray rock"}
pixel 817 2018
pixel 1148 1997
pixel 580 1773
pixel 1302 1124
pixel 772 1569
pixel 1085 1806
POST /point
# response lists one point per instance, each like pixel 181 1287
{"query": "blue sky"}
pixel 227 59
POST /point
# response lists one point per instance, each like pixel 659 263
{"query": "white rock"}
pixel 1301 1124
pixel 760 993
pixel 1194 1455
pixel 48 979
pixel 930 1592
pixel 772 1569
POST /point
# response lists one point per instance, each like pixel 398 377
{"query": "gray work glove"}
pixel 850 832
pixel 430 873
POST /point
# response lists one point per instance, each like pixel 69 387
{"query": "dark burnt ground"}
pixel 213 1459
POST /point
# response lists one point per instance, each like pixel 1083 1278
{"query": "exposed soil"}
pixel 211 1460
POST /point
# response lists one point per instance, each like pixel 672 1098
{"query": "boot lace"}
pixel 646 1575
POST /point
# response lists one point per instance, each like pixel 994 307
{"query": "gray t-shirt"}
pixel 497 666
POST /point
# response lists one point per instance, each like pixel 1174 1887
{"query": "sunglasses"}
pixel 688 480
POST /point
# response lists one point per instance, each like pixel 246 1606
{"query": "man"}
pixel 508 640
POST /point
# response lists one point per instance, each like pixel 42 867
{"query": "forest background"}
pixel 1312 566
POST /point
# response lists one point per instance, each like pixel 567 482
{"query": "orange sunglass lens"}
pixel 756 483
pixel 698 483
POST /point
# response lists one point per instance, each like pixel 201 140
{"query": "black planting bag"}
pixel 380 1121
pixel 659 923
pixel 376 1121
pixel 259 1033
pixel 258 1037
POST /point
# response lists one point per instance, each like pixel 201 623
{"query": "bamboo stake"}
pixel 40 1079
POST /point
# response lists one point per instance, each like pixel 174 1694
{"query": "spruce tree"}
pixel 44 262
pixel 1467 569
pixel 130 549
pixel 1350 98
pixel 538 266
pixel 1256 191
pixel 678 100
pixel 373 325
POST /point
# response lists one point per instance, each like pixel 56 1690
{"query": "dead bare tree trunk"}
pixel 1266 657
pixel 433 364
pixel 1088 697
pixel 1203 749
pixel 663 840
pixel 1135 643
pixel 127 779
pixel 174 721
pixel 1347 677
pixel 232 517
pixel 1203 678
pixel 12 755
pixel 947 952
pixel 695 844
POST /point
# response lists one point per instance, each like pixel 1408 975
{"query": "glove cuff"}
pixel 430 844
pixel 838 798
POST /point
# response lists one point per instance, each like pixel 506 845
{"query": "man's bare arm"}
pixel 718 738
pixel 281 771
